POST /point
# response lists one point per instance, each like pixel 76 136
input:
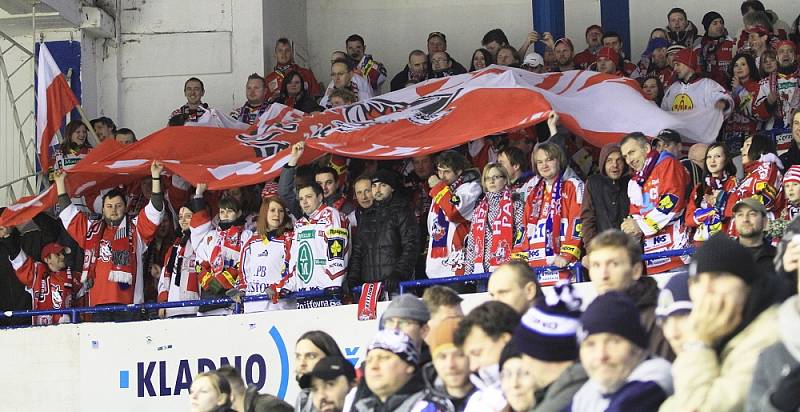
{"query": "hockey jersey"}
pixel 553 226
pixel 697 93
pixel 707 219
pixel 50 290
pixel 358 85
pixel 449 220
pixel 102 264
pixel 762 180
pixel 787 87
pixel 658 206
pixel 265 266
pixel 715 57
pixel 179 278
pixel 319 251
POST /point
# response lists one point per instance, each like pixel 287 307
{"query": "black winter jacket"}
pixel 386 243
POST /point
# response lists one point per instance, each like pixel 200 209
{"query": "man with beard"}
pixel 594 40
pixel 750 218
pixel 256 103
pixel 365 65
pixel 113 245
pixel 779 94
pixel 284 63
pixel 330 381
pixel 715 49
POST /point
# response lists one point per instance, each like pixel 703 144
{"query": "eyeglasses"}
pixel 493 178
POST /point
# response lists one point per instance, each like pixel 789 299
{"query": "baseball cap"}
pixel 51 248
pixel 329 368
pixel 752 203
pixel 533 60
pixel 674 297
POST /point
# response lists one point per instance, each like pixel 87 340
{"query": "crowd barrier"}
pixel 74 313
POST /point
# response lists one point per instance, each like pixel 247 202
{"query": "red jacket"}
pixel 274 80
pixel 50 290
pixel 700 216
pixel 715 58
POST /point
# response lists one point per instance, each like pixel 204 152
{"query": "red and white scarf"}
pixel 119 251
pixel 497 210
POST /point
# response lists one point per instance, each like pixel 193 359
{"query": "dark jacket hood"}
pixel 605 152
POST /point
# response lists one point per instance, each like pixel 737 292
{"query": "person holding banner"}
pixel 179 278
pixel 553 213
pixel 113 245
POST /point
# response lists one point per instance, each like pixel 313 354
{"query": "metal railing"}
pixel 312 294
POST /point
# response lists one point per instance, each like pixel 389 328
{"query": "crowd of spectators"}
pixel 527 206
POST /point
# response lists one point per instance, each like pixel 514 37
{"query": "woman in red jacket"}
pixel 709 209
pixel 762 174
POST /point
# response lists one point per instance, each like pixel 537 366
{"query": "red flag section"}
pixel 55 100
pixel 425 118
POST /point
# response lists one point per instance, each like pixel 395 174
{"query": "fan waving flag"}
pixel 55 100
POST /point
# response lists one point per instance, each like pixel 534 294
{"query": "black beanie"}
pixel 510 351
pixel 709 17
pixel 613 312
pixel 547 330
pixel 720 253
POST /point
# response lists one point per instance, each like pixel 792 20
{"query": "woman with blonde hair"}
pixel 210 392
pixel 496 231
pixel 265 258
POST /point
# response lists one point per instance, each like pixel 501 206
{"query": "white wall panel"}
pixel 172 54
pixel 168 16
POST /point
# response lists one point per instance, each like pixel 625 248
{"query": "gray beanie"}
pixel 406 306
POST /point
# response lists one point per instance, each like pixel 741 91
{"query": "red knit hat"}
pixel 687 57
pixel 609 54
pixel 270 190
pixel 792 175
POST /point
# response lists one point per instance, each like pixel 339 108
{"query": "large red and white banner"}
pixel 425 118
pixel 54 100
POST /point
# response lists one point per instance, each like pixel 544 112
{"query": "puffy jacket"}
pixel 386 244
pixel 412 397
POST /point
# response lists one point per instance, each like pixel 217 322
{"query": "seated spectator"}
pixel 679 29
pixel 194 109
pixel 552 210
pixel 386 245
pixel 775 381
pixel 497 229
pixel 442 303
pixel 309 349
pixel 320 248
pixel 179 278
pixel 104 128
pixel 455 190
pixel 416 71
pixel 442 66
pixel 218 250
pixel 534 62
pixel 791 193
pixel 239 398
pixel 653 89
pixel 125 136
pixel 672 313
pixel 615 265
pixel 744 87
pixel 344 77
pixel 605 197
pixel 792 156
pixel 515 284
pixel 606 61
pixel 546 337
pixel 264 256
pixel 437 42
pixel 613 40
pixel 256 103
pixel 119 279
pixel 508 56
pixel 708 210
pixel 750 219
pixel 516 380
pixel 733 319
pixel 481 58
pixel 623 376
pixel 284 63
pixel 50 281
pixel 715 49
pixel 657 201
pixel 76 146
pixel 210 392
pixel 493 40
pixel 779 95
pixel 365 65
pixel 482 335
pixel 690 91
pixel 447 375
pixel 594 41
pixel 409 314
pixel 762 175
pixel 654 62
pixel 392 378
pixel 329 382
pixel 294 94
pixel 342 97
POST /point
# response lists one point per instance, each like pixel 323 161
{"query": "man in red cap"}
pixel 49 281
pixel 563 50
pixel 594 41
pixel 690 91
pixel 607 59
pixel 779 95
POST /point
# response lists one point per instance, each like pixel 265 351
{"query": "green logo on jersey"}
pixel 306 234
pixel 305 262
